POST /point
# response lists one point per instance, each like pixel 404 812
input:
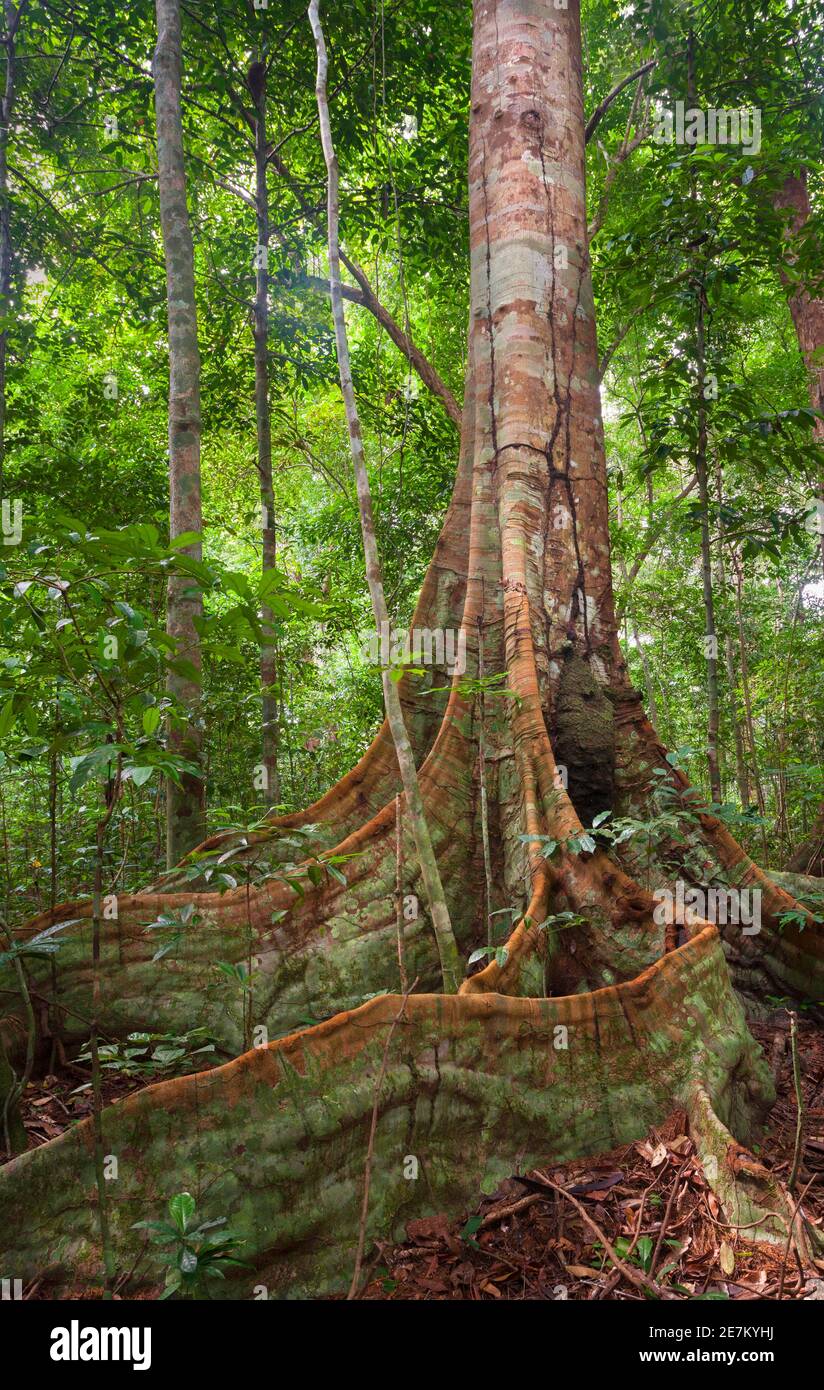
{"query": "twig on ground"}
pixel 510 1209
pixel 615 1277
pixel 370 1152
pixel 799 1123
pixel 635 1277
pixel 665 1221
pixel 796 1210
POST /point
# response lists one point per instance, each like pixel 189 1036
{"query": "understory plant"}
pixel 193 1252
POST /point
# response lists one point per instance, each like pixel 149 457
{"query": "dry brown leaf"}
pixel 680 1145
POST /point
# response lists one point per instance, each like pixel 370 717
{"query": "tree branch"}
pixel 603 106
pixel 654 536
pixel 427 373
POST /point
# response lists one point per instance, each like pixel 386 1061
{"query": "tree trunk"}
pixel 481 1080
pixel 749 722
pixel 435 899
pixel 807 315
pixel 185 803
pixel 729 657
pixel 808 318
pixel 710 634
pixel 808 858
pixel 263 419
pixel 12 24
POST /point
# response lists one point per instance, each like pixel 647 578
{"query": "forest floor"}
pixel 651 1202
pixel 649 1199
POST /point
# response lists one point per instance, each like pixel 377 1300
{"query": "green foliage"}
pixel 172 925
pixel 150 1056
pixel 86 391
pixel 497 953
pixel 192 1251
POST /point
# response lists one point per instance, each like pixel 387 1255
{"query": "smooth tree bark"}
pixel 729 655
pixel 12 18
pixel 263 422
pixel 701 473
pixel 435 899
pixel 641 987
pixel 186 800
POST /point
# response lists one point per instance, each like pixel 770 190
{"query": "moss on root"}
pixel 477 1086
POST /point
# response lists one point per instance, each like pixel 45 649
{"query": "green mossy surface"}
pixel 475 1088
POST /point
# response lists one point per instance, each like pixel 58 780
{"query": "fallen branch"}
pixel 511 1209
pixel 787 1247
pixel 615 1277
pixel 665 1222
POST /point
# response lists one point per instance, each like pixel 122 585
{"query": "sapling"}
pixel 193 1251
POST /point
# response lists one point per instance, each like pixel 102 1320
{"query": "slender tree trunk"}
pixel 268 655
pixel 749 723
pixel 652 706
pixel 808 858
pixel 104 1226
pixel 808 318
pixel 436 902
pixel 484 796
pixel 12 23
pixel 729 658
pixel 185 804
pixel 710 634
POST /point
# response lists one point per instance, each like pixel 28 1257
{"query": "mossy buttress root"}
pixel 477 1086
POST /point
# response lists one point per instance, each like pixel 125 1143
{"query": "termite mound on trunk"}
pixel 584 738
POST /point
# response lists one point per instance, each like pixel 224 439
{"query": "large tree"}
pixel 588 1026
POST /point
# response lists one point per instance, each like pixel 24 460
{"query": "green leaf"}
pixel 7 716
pixel 151 719
pixel 473 1225
pixel 185 668
pixel 139 775
pixel 181 1210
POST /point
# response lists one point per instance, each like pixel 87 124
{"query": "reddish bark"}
pixel 525 548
